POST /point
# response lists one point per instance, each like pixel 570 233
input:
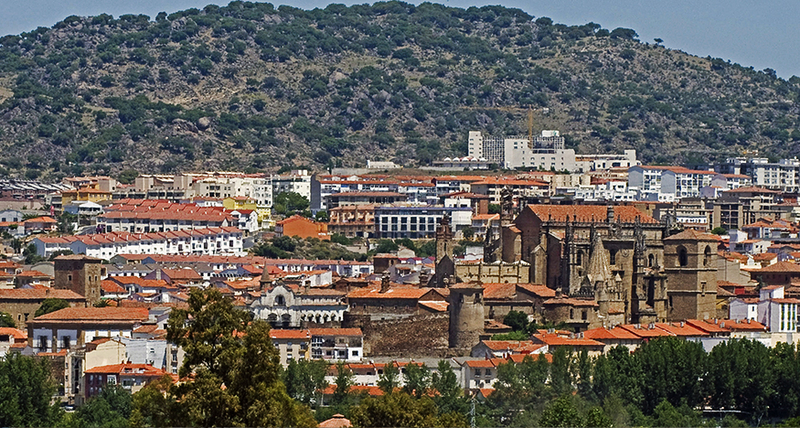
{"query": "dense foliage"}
pixel 252 85
pixel 288 247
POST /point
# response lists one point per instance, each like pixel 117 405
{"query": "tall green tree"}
pixel 617 373
pixel 449 395
pixel 416 379
pixel 26 392
pixel 674 370
pixel 741 375
pixel 344 381
pixel 232 365
pixel 390 378
pixel 561 372
pixel 304 378
pixel 399 409
pixel 561 413
pixel 110 408
pixel 152 406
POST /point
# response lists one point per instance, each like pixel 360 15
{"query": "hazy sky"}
pixel 751 33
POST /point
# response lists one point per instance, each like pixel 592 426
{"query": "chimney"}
pixel 384 283
pixel 683 324
pixel 610 214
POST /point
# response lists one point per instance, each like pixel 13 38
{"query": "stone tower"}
pixel 445 264
pixel 466 315
pixel 690 264
pixel 444 239
pixel 81 274
pixel 266 279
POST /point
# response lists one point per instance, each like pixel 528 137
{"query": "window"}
pixel 477 372
pixel 355 353
pixel 683 257
pixel 612 257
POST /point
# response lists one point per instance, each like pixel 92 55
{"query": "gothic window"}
pixel 683 258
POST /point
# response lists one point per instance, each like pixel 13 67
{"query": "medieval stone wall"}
pixel 419 335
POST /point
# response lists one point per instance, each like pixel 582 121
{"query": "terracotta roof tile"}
pixel 589 213
pixel 38 294
pixel 96 314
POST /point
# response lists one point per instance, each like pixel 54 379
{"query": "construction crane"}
pixel 529 109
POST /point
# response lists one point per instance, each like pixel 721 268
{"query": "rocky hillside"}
pixel 250 86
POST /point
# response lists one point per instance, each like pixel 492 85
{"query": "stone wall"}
pixel 418 335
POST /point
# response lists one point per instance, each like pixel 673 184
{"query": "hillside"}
pixel 250 86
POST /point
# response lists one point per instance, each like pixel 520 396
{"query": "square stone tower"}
pixel 690 263
pixel 81 274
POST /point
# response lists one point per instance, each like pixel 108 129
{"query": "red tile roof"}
pixel 781 267
pixel 335 332
pixel 615 333
pixel 128 369
pixel 15 333
pixel 552 339
pixel 589 213
pixel 108 314
pixel 38 294
pixel 289 334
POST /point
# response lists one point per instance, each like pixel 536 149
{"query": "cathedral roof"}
pixel 693 235
pixel 589 213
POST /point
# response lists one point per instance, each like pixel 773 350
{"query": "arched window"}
pixel 707 256
pixel 651 260
pixel 280 301
pixel 683 258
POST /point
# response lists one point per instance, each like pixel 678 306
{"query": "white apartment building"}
pixel 258 188
pixel 771 308
pixel 545 152
pixel 220 185
pixel 297 181
pixel 210 241
pixel 667 183
pixel 783 175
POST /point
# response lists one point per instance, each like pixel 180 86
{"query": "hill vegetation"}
pixel 251 86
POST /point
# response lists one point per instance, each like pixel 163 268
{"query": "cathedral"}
pixel 607 264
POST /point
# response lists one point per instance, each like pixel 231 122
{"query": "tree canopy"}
pixel 231 367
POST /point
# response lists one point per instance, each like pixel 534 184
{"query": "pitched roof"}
pixel 615 333
pixel 337 421
pixel 128 369
pixel 435 305
pixel 781 267
pixel 589 213
pixel 335 332
pixel 289 334
pixel 552 339
pixel 392 293
pixel 16 333
pixel 38 294
pixel 693 235
pixel 107 314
